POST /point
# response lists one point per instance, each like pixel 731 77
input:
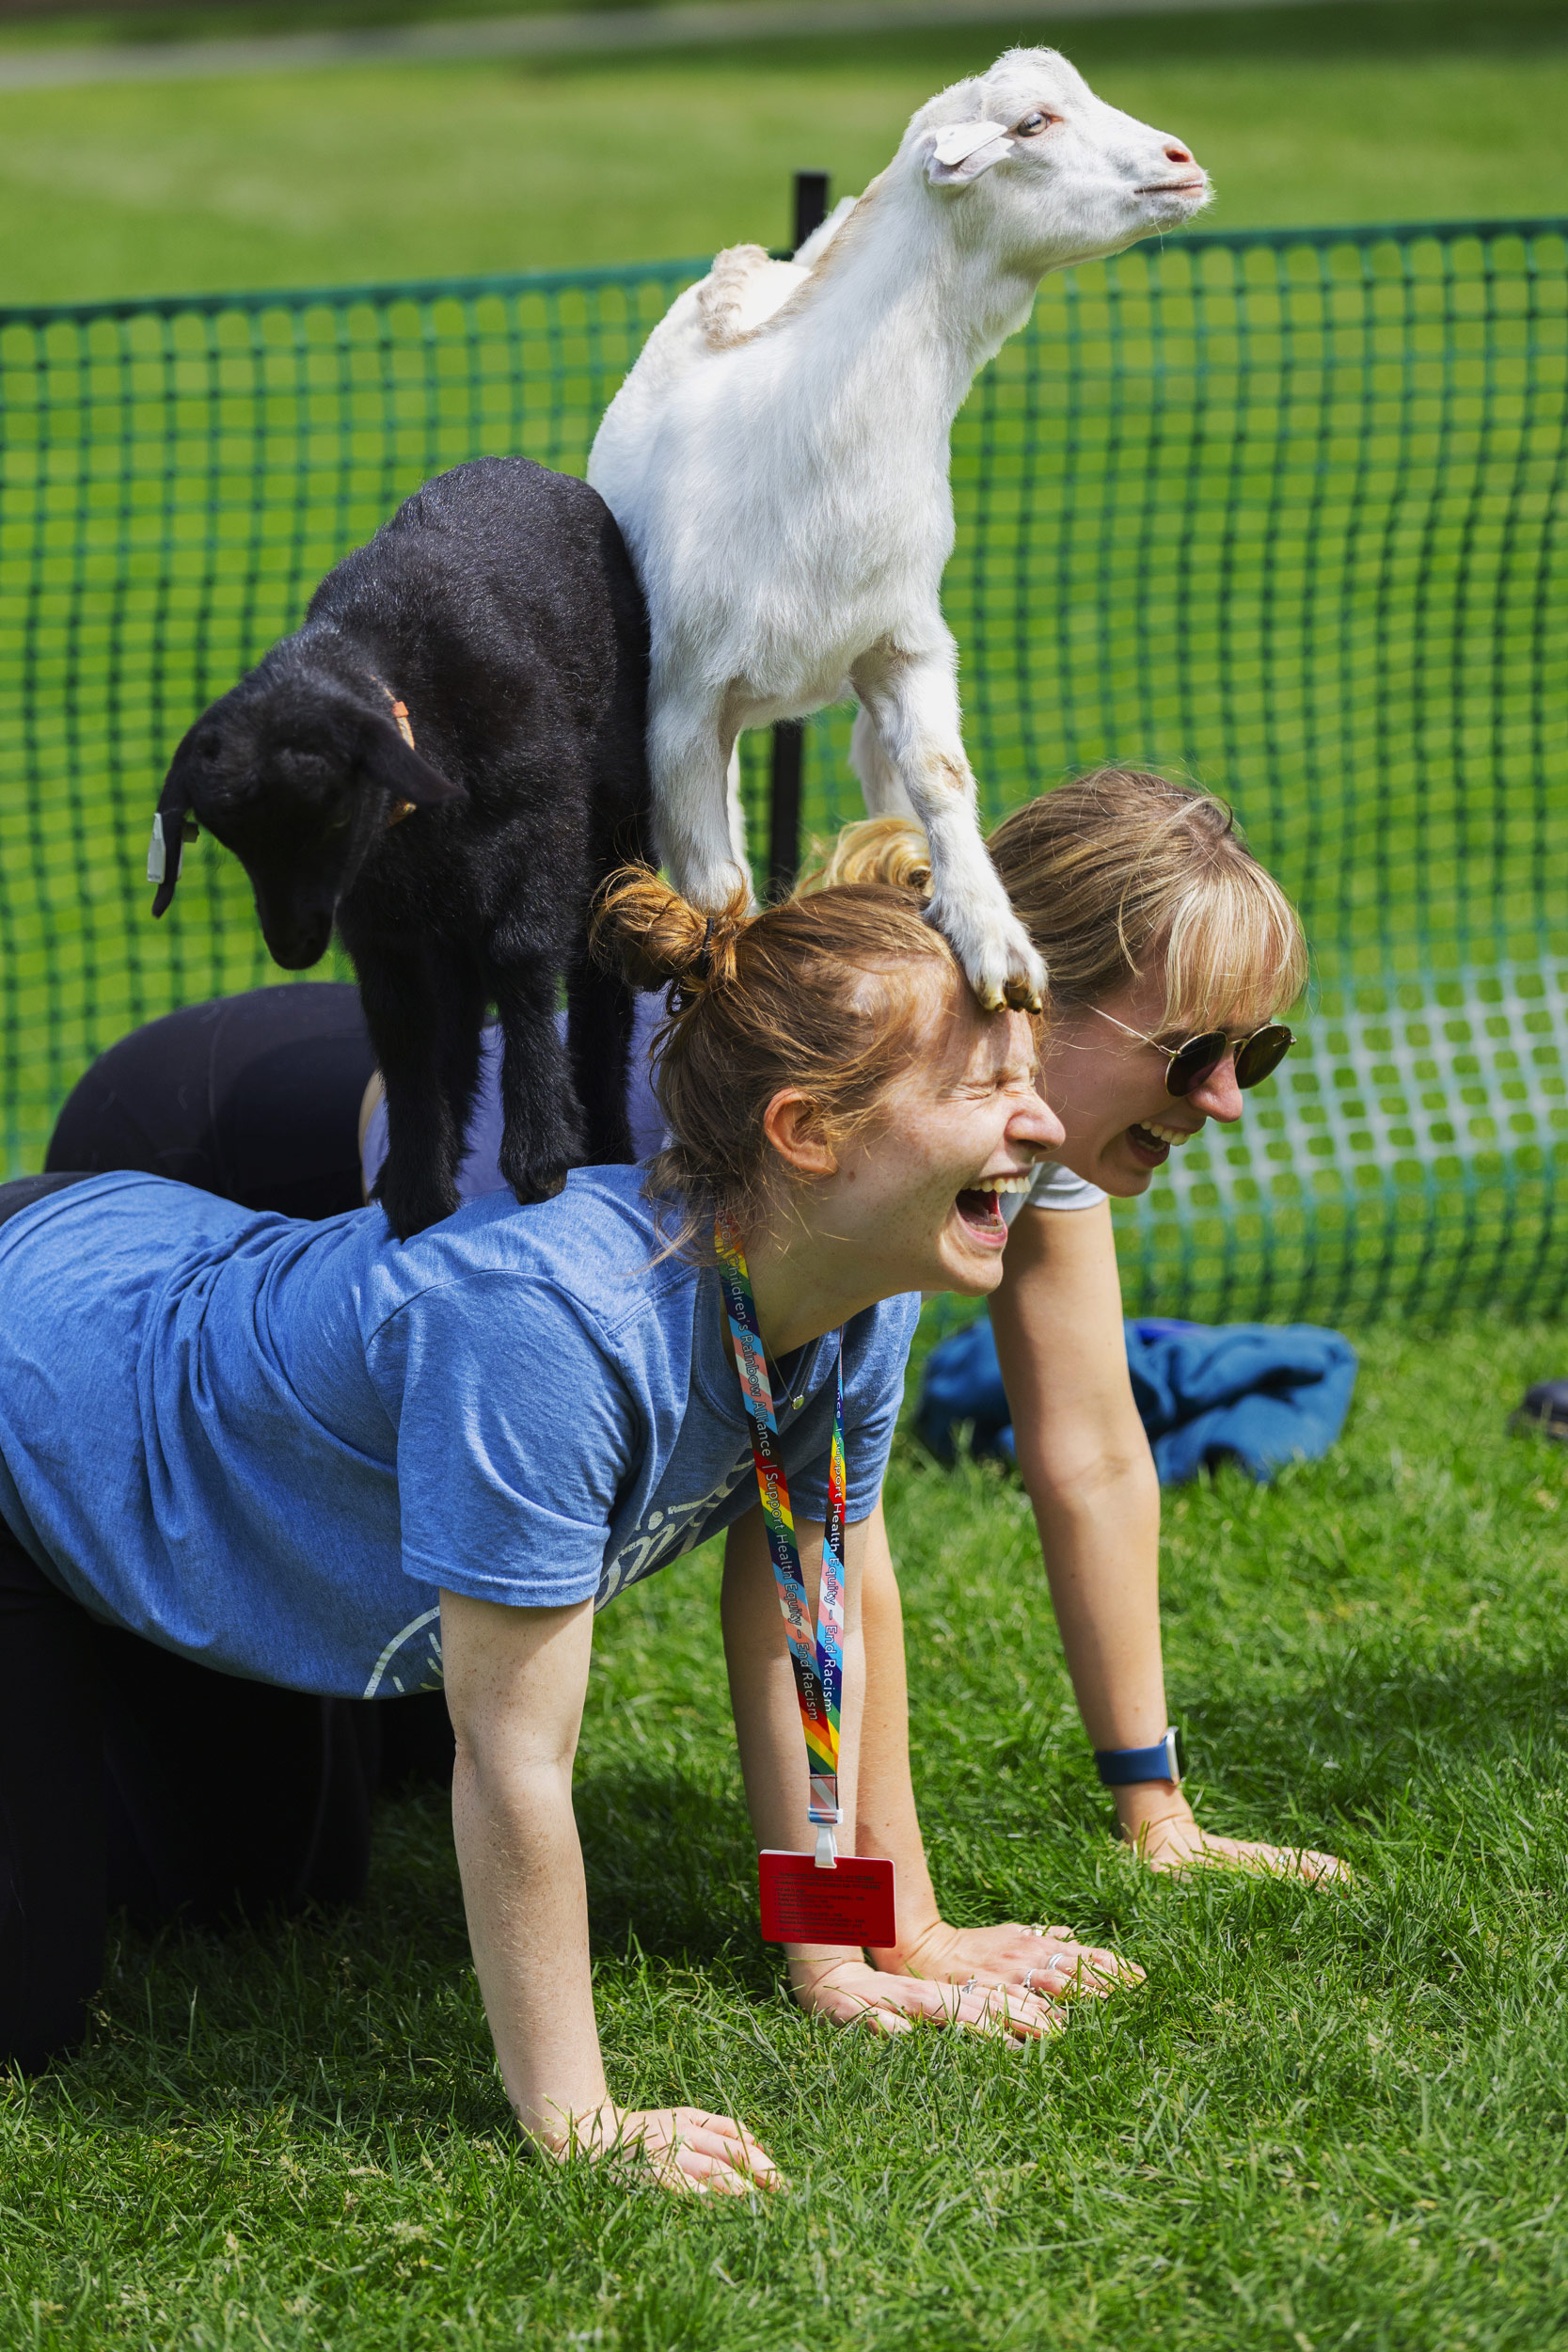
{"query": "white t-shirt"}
pixel 1054 1186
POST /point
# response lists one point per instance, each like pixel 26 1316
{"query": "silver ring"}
pixel 968 1988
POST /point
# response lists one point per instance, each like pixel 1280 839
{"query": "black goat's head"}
pixel 299 777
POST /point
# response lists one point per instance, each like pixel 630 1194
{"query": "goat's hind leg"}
pixel 688 763
pixel 913 704
pixel 600 1011
pixel 734 808
pixel 403 996
pixel 464 1000
pixel 879 780
pixel 542 1127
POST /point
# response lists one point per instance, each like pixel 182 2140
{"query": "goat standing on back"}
pixel 447 760
pixel 778 462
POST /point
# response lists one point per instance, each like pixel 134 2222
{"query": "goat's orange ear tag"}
pixel 852 1903
pixel 400 713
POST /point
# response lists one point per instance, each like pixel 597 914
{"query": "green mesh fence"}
pixel 1283 510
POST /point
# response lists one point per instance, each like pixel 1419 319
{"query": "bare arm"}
pixel 1091 1479
pixel 1085 1461
pixel 515 1680
pixel 772 1761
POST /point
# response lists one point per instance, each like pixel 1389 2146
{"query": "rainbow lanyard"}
pixel 819 1664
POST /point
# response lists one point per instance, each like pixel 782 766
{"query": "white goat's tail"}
pixel 721 296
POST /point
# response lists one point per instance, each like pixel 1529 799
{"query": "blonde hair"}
pixel 1112 876
pixel 815 994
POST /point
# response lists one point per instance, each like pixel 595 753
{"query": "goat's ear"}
pixel 964 151
pixel 399 769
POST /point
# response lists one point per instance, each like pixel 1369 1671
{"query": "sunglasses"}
pixel 1257 1056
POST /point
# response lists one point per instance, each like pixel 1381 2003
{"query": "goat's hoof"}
pixel 1021 996
pixel 532 1189
pixel 410 1209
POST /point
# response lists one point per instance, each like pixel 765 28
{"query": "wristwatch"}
pixel 1119 1767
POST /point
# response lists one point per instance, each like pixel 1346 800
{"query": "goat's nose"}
pixel 1177 154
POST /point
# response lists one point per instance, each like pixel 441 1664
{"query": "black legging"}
pixel 129 1775
pixel 255 1098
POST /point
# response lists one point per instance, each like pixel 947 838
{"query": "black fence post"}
pixel 783 799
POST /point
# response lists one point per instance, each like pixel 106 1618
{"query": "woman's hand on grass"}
pixel 1168 1838
pixel 684 2149
pixel 1047 1961
pixel 853 1994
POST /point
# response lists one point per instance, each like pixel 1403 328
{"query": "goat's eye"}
pixel 1031 124
pixel 339 824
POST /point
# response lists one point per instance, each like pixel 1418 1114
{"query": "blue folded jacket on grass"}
pixel 1257 1393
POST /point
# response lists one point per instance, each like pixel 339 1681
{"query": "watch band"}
pixel 1119 1767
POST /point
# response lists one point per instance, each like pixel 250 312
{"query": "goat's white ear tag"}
pixel 955 145
pixel 157 863
pixel 958 152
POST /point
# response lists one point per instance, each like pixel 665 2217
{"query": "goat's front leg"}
pixel 690 744
pixel 914 705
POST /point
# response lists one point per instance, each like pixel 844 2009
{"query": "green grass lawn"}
pixel 1327 2121
pixel 1365 112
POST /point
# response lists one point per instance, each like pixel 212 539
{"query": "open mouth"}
pixel 978 1211
pixel 979 1206
pixel 1156 1143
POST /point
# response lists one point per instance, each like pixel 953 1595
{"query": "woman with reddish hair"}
pixel 309 1456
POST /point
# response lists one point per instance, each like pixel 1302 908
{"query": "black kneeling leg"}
pixel 52 1885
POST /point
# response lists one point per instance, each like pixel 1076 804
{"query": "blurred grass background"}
pixel 1382 110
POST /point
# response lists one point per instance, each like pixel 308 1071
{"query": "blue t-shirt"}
pixel 266 1443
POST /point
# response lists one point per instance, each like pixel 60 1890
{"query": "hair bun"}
pixel 889 853
pixel 661 939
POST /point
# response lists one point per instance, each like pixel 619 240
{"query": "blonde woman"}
pixel 1172 954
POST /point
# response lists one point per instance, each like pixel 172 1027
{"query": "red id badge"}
pixel 852 1904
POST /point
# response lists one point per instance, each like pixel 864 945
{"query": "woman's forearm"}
pixel 1046 1961
pixel 1085 1462
pixel 1101 1563
pixel 515 1680
pixel 527 1907
pixel 887 1821
pixel 1100 1542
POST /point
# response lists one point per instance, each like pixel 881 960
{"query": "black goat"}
pixel 446 759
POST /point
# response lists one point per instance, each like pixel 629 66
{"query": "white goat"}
pixel 778 462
